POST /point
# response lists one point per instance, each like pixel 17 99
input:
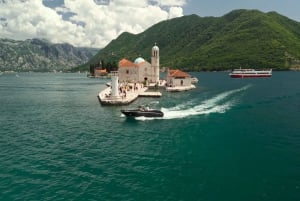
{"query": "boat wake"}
pixel 219 103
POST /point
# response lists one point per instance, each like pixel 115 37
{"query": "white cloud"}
pixel 83 22
pixel 130 3
pixel 175 12
pixel 170 2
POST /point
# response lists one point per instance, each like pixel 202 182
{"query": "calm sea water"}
pixel 229 139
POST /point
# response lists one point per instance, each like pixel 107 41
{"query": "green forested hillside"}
pixel 241 38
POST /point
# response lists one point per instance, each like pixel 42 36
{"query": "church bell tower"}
pixel 155 63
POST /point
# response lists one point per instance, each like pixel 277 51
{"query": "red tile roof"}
pixel 140 64
pixel 178 73
pixel 126 63
pixel 101 70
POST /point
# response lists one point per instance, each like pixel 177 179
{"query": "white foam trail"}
pixel 182 106
pixel 217 104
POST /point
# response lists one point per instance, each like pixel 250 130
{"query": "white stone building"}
pixel 178 80
pixel 140 70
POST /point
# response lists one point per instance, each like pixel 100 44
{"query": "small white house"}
pixel 178 80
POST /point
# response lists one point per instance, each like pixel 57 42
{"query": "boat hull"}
pixel 249 75
pixel 139 113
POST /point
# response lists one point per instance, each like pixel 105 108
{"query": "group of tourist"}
pixel 125 88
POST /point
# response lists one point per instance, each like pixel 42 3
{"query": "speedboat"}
pixel 142 112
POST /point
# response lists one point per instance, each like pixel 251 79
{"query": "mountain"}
pixel 241 38
pixel 41 55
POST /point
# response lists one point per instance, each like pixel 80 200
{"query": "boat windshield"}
pixel 143 108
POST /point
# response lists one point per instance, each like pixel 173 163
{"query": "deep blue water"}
pixel 229 139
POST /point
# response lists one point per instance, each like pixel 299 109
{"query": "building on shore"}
pixel 99 72
pixel 178 80
pixel 140 70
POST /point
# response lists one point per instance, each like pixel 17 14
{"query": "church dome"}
pixel 139 60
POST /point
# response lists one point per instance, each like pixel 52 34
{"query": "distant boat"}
pixel 142 112
pixel 249 73
pixel 194 80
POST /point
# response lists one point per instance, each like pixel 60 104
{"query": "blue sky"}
pixel 94 23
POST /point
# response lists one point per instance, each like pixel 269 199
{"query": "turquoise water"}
pixel 229 139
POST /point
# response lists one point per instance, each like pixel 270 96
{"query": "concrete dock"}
pixel 125 97
pixel 150 94
pixel 180 88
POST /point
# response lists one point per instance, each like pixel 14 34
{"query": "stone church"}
pixel 140 70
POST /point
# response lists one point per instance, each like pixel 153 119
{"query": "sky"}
pixel 94 23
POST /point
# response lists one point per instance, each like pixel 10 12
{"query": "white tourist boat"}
pixel 249 73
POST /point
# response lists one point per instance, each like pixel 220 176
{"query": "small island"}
pixel 133 79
